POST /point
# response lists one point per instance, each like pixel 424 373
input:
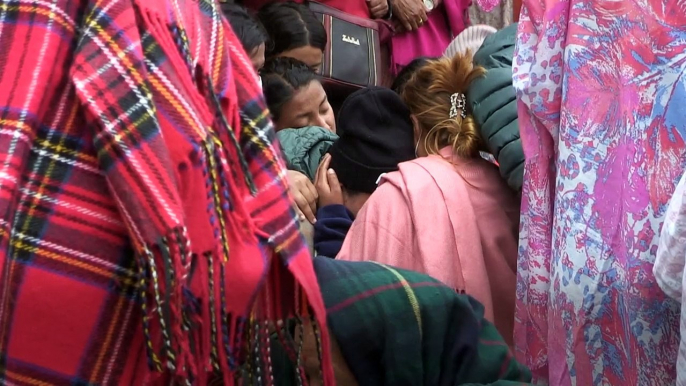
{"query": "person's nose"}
pixel 321 122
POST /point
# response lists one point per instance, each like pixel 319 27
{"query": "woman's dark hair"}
pixel 406 73
pixel 248 29
pixel 291 25
pixel 281 78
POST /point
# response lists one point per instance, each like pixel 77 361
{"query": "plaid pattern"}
pixel 141 229
pixel 398 327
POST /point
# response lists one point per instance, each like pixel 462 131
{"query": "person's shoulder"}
pixel 419 174
pixel 497 50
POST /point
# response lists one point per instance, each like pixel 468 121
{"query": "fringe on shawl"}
pixel 192 334
pixel 195 339
pixel 189 331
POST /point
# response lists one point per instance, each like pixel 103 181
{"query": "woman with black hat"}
pixel 375 132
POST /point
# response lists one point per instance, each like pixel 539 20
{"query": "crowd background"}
pixel 362 192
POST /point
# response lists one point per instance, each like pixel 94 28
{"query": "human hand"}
pixel 410 13
pixel 328 187
pixel 304 194
pixel 378 8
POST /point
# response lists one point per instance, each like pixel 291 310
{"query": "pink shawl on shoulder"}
pixel 456 222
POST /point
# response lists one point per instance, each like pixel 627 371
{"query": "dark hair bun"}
pixel 248 29
pixel 291 25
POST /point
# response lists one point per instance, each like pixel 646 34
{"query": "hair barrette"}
pixel 458 101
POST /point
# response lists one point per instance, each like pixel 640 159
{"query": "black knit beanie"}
pixel 376 135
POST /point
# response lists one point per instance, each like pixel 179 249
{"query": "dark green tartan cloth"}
pixel 397 327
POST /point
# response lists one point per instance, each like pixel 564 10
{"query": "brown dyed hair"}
pixel 427 95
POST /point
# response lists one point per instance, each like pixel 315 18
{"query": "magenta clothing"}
pixel 456 222
pixel 446 21
pixel 357 8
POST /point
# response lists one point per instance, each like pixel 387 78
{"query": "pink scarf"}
pixel 457 223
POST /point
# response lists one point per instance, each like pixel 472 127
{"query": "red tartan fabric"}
pixel 146 231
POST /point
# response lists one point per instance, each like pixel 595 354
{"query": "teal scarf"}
pixel 304 148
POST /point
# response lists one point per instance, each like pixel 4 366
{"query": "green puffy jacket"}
pixel 303 149
pixel 494 105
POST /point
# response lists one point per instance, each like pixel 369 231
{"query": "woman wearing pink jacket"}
pixel 448 213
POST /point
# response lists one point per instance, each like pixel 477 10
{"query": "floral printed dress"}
pixel 602 103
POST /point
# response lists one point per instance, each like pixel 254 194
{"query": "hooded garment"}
pixel 456 222
pixel 402 328
pixel 304 148
pixel 147 236
pixel 494 105
pixel 469 40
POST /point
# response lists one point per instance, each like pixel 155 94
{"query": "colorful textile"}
pixel 448 217
pixel 145 220
pixel 670 263
pixel 499 17
pixel 397 327
pixel 602 89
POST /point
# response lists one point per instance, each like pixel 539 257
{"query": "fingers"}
pixel 320 177
pixel 334 184
pixel 418 20
pixel 306 210
pixel 413 22
pixel 326 162
pixel 408 25
pixel 379 9
pixel 312 197
pixel 422 14
pixel 379 14
pixel 299 213
pixel 304 195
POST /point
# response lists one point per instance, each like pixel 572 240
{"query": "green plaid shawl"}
pixel 398 327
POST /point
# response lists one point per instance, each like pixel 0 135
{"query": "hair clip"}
pixel 458 101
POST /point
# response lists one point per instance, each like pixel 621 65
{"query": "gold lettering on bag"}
pixel 351 40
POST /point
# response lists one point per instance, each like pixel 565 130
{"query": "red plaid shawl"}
pixel 128 242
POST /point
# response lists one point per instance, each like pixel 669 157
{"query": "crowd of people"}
pixel 187 200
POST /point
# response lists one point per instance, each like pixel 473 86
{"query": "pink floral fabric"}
pixel 488 5
pixel 601 92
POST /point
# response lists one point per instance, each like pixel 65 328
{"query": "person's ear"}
pixel 416 128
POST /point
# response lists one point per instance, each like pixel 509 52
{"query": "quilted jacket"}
pixel 494 105
pixel 304 148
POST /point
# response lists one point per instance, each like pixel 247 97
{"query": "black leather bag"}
pixel 352 58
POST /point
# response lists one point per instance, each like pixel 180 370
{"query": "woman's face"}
pixel 308 107
pixel 257 57
pixel 307 54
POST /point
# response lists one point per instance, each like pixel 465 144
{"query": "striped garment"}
pixel 145 237
pixel 402 328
